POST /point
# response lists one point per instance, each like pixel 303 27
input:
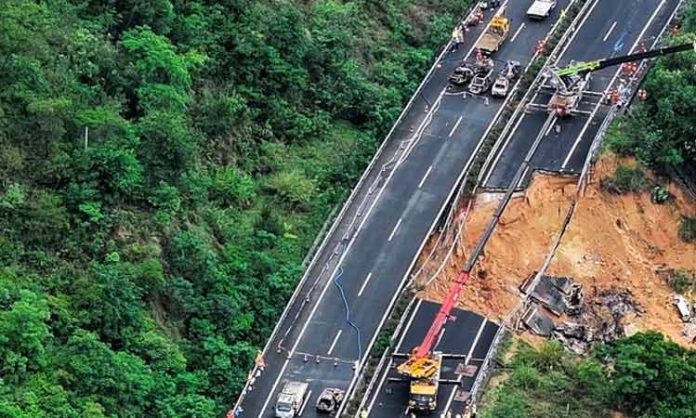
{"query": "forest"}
pixel 165 165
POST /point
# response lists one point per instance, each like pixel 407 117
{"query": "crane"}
pixel 424 364
pixel 570 83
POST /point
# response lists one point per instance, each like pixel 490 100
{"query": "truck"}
pixel 425 382
pixel 495 35
pixel 541 9
pixel 291 399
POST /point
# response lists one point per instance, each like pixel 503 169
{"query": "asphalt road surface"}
pixel 464 344
pixel 611 29
pixel 374 266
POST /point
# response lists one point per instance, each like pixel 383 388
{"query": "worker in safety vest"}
pixel 457 37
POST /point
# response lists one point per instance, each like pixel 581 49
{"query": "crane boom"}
pixel 586 67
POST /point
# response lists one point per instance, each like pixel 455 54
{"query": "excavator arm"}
pixel 586 67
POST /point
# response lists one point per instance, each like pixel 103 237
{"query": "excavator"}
pixel 569 84
pixel 424 364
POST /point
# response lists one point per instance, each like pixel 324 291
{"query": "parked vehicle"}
pixel 541 9
pixel 495 35
pixel 330 399
pixel 291 399
pixel 481 83
pixel 502 83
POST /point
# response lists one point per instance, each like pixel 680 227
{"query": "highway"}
pixel 464 343
pixel 319 340
pixel 566 150
pixel 611 29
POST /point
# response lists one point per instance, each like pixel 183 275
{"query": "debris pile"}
pixel 605 316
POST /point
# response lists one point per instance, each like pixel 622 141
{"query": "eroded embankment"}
pixel 612 242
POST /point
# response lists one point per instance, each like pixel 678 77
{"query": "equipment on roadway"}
pixel 570 83
pixel 505 78
pixel 330 399
pixel 495 34
pixel 291 399
pixel 541 9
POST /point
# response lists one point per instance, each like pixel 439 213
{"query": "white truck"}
pixel 291 399
pixel 541 9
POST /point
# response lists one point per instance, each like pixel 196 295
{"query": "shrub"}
pixel 660 195
pixel 625 179
pixel 687 229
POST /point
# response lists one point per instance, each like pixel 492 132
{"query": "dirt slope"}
pixel 612 241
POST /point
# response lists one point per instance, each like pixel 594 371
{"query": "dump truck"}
pixel 291 399
pixel 495 34
pixel 541 9
pixel 330 399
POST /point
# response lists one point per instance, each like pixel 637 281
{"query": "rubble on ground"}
pixel 602 317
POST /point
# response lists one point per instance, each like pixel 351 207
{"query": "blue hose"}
pixel 345 304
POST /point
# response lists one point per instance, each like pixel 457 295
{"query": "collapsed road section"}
pixel 351 285
pixel 420 374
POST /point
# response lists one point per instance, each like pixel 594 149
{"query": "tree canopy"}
pixel 164 167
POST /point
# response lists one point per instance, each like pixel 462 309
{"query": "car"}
pixel 500 87
pixel 481 83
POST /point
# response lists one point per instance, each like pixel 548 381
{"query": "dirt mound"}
pixel 611 242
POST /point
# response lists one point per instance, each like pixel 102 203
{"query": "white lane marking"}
pixel 473 346
pixel 572 37
pixel 451 398
pixel 304 404
pixel 364 285
pixel 518 32
pixel 335 340
pixel 611 29
pixel 553 122
pixel 408 325
pixel 393 232
pixel 379 387
pixel 613 79
pixel 526 170
pixel 456 125
pixel 427 173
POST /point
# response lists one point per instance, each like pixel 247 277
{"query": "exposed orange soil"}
pixel 612 241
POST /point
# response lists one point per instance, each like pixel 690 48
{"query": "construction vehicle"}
pixel 463 74
pixel 541 9
pixel 501 86
pixel 291 399
pixel 569 84
pixel 495 34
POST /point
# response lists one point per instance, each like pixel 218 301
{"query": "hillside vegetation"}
pixel 164 168
pixel 642 376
